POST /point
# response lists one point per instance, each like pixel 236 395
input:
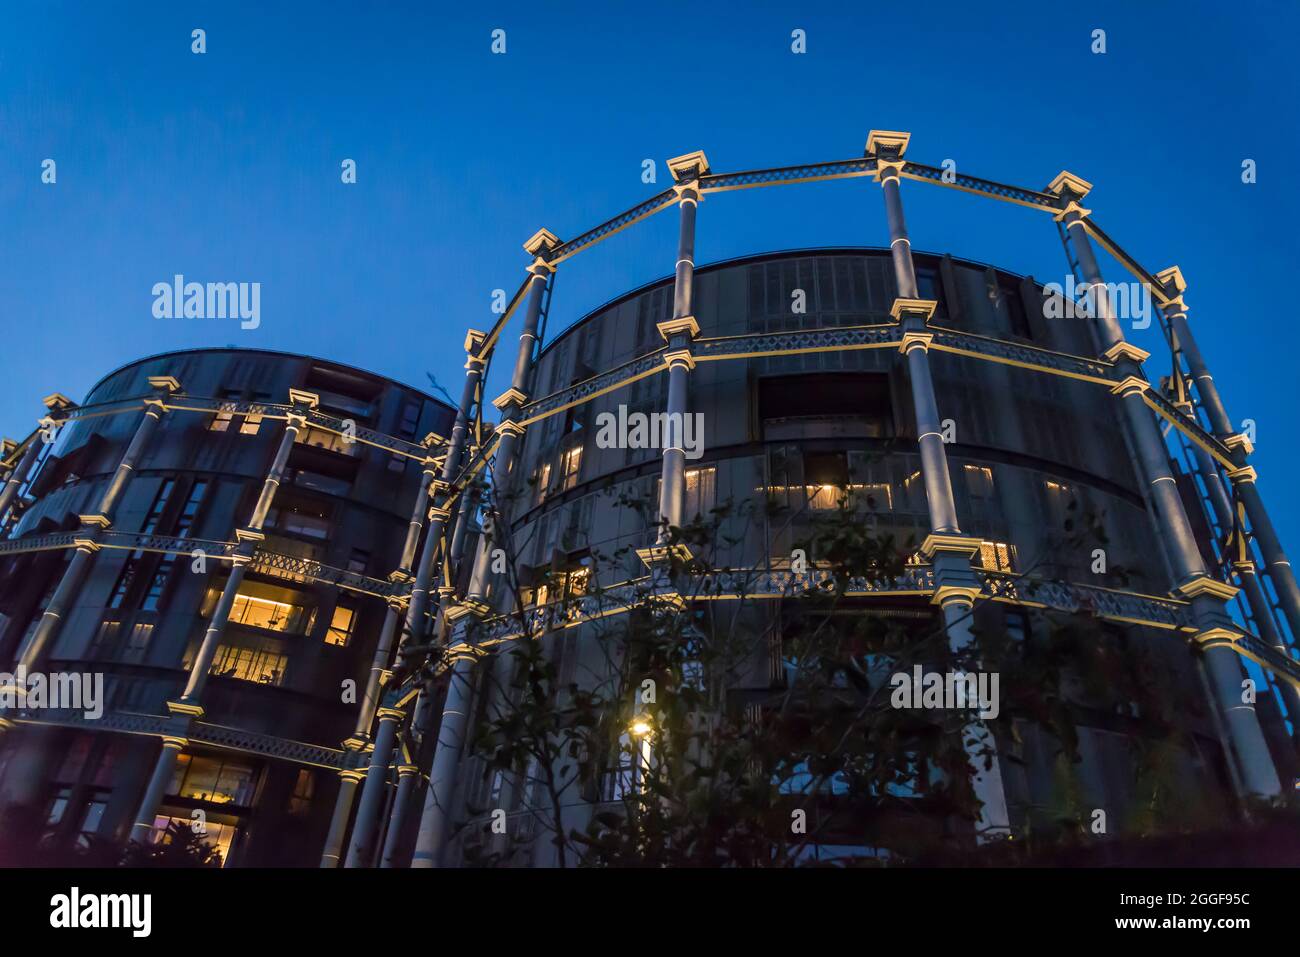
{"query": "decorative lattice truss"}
pixel 598 385
pixel 307 570
pixel 812 173
pixel 198 732
pixel 1132 608
pixel 984 187
pixel 263 561
pixel 623 220
pixel 1024 356
pixel 830 339
pixel 1188 426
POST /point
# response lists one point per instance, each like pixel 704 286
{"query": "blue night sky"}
pixel 226 166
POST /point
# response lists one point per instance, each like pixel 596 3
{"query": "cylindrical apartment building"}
pixel 800 406
pixel 298 579
pixel 263 752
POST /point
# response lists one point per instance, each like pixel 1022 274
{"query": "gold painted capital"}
pixel 956 594
pixel 1126 350
pixel 655 555
pixel 686 324
pixel 1246 473
pixel 166 382
pixel 893 142
pixel 689 166
pixel 57 402
pixel 510 427
pixel 915 340
pixel 1065 180
pixel 1238 440
pixel 913 307
pixel 511 395
pixel 1172 278
pixel 193 709
pixel 1216 637
pixel 303 397
pixel 959 544
pixel 679 355
pixel 1205 585
pixel 1131 385
pixel 541 242
pixel 540 268
pixel 474 338
pixel 1072 207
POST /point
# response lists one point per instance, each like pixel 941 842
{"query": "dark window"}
pixel 185 521
pixel 1009 293
pixel 124 580
pixel 930 286
pixel 159 505
pixel 410 420
pixel 153 595
pixel 861 396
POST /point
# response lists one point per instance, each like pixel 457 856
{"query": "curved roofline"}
pixel 267 352
pixel 759 257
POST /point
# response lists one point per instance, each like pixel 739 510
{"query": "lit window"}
pixel 252 422
pixel 249 664
pixel 215 780
pixel 823 497
pixel 107 635
pixel 340 629
pixel 1060 498
pixel 570 463
pixel 543 481
pixel 218 836
pixel 578 579
pixel 561 585
pixel 701 490
pixel 221 421
pixel 979 481
pixel 304 789
pixel 997 556
pixel 141 632
pixel 262 605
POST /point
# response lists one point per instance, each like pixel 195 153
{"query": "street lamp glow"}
pixel 640 727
